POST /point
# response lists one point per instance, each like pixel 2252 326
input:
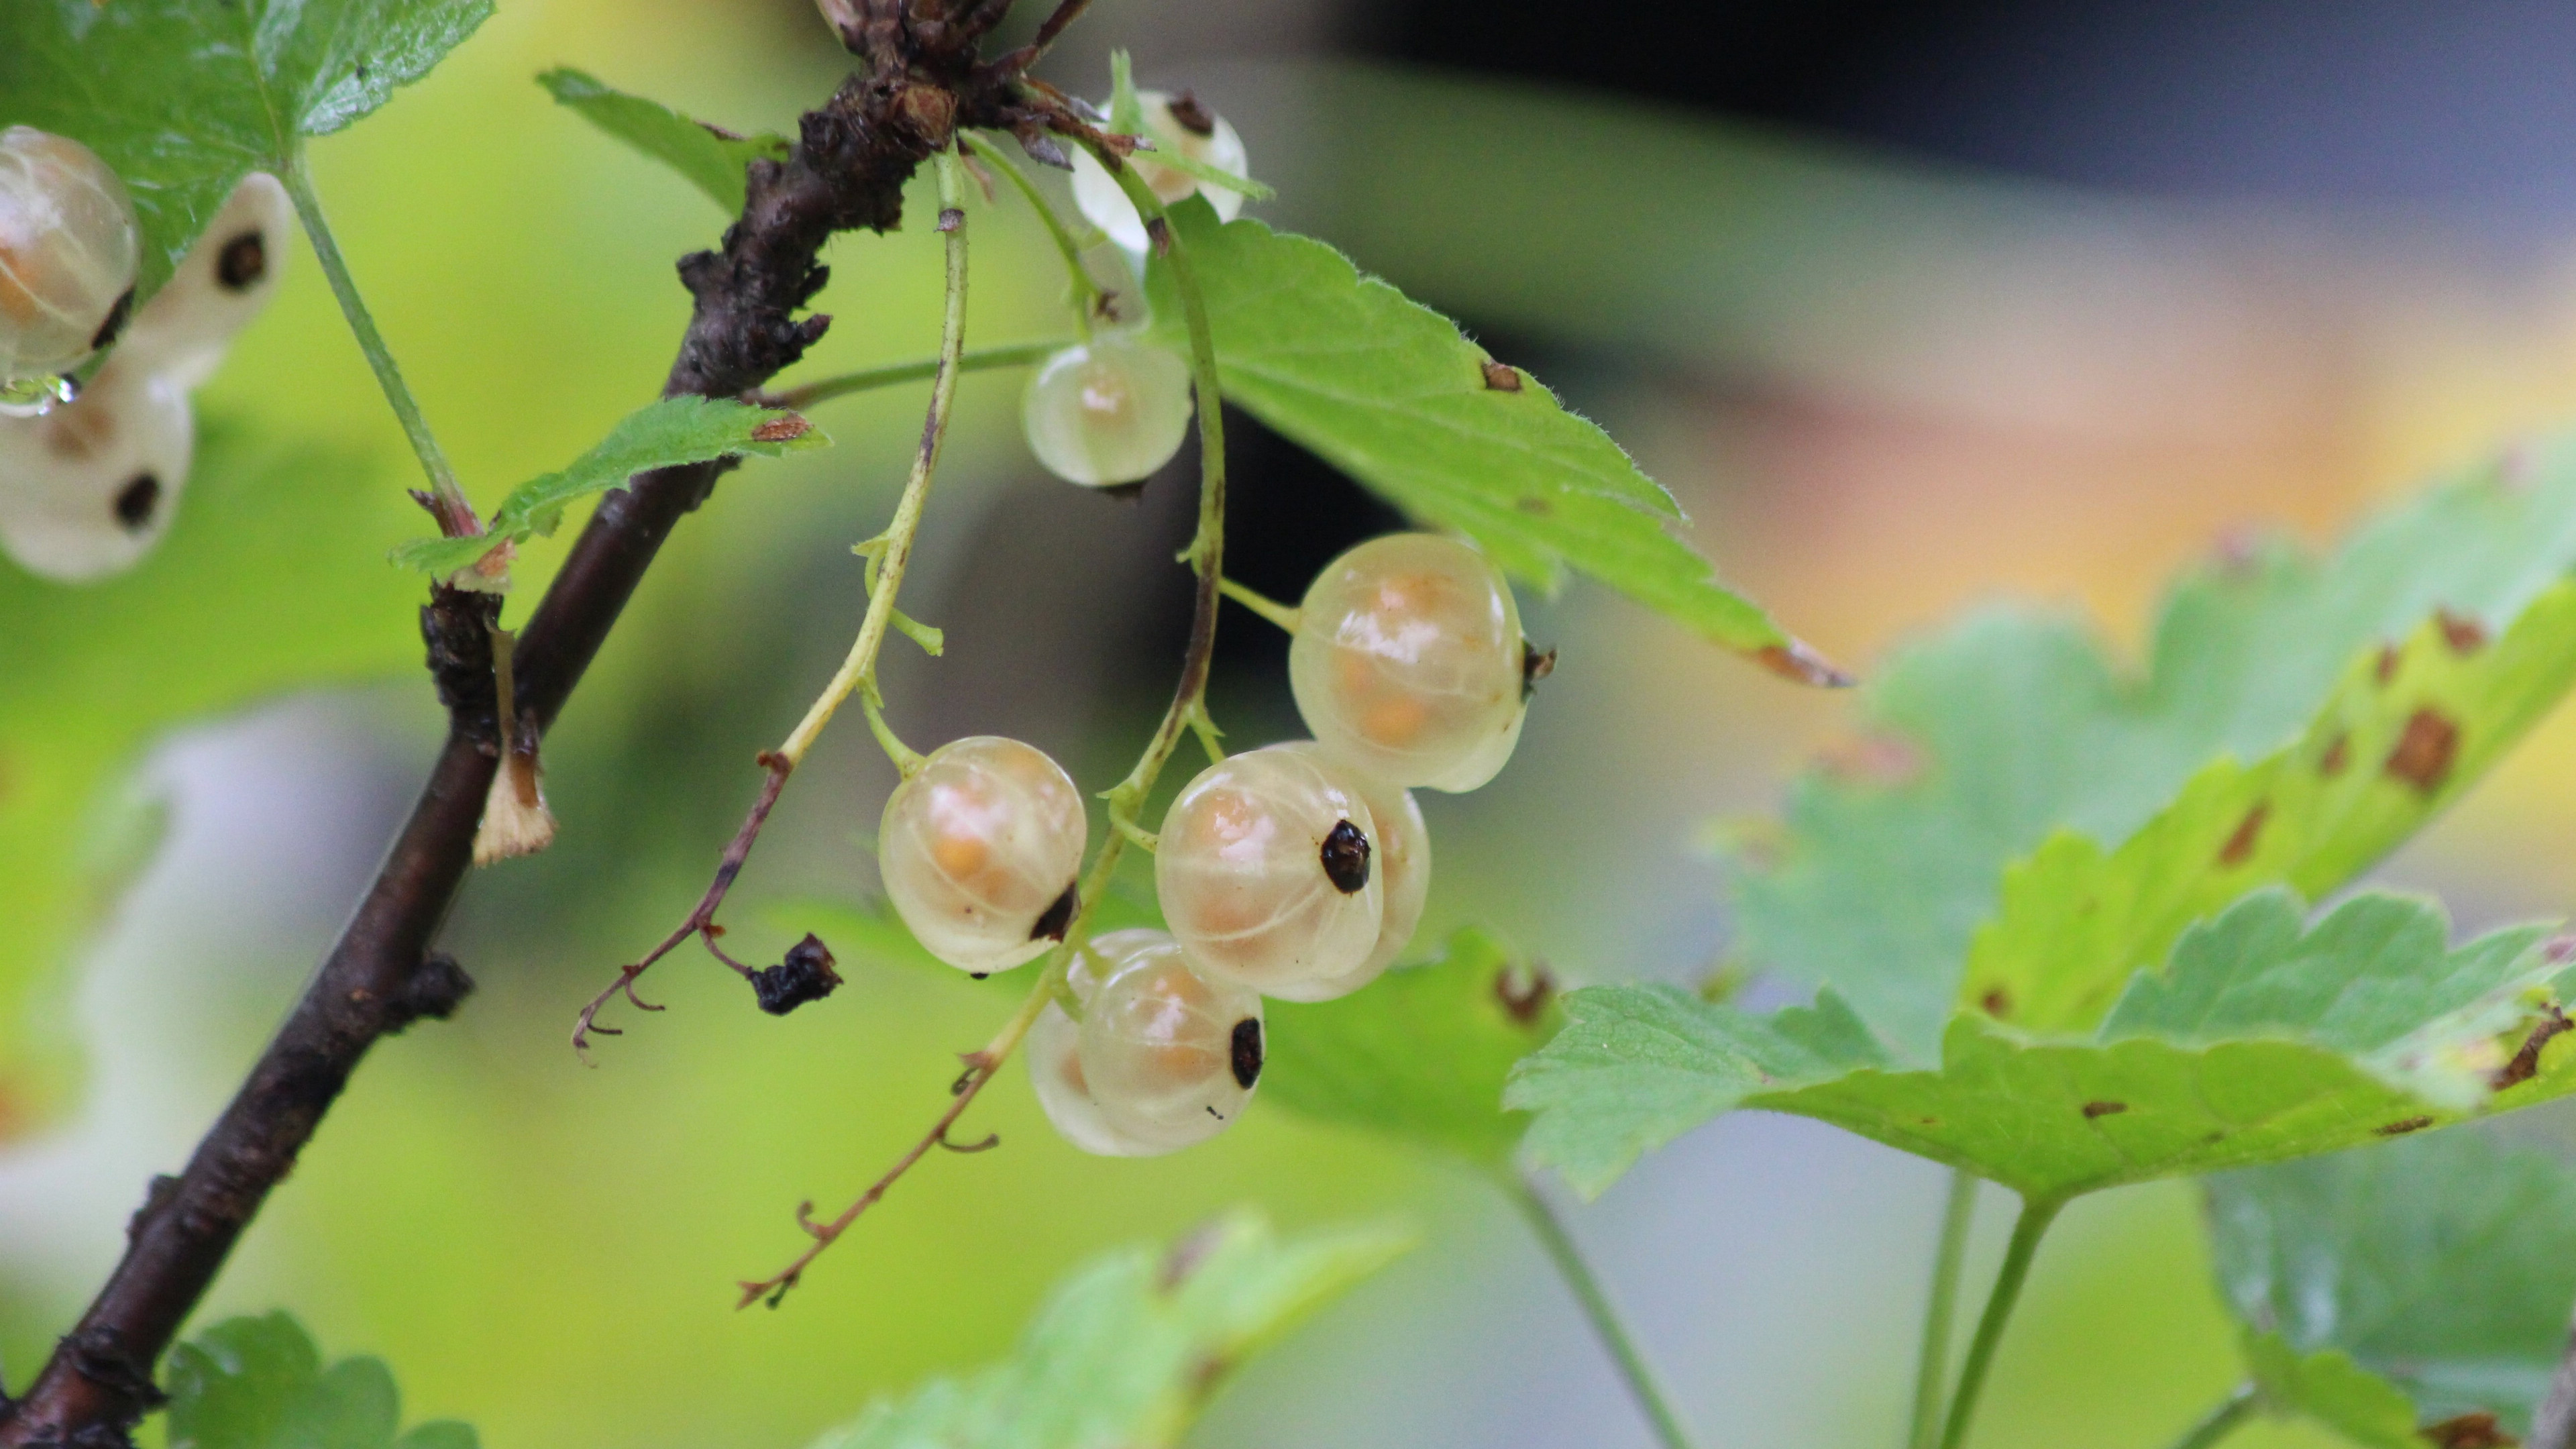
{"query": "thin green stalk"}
pixel 1283 615
pixel 1087 296
pixel 2027 1231
pixel 1018 354
pixel 1561 1250
pixel 1933 1364
pixel 456 516
pixel 2222 1421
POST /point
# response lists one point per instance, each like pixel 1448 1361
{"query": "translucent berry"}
pixel 1408 662
pixel 1170 1057
pixel 1108 411
pixel 87 489
pixel 978 852
pixel 1181 126
pixel 1267 873
pixel 227 279
pixel 1402 862
pixel 68 247
pixel 1055 1067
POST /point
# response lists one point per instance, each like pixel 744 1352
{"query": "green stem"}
pixel 2222 1421
pixel 1561 1250
pixel 2027 1231
pixel 1087 298
pixel 1018 354
pixel 1283 615
pixel 1933 1364
pixel 456 516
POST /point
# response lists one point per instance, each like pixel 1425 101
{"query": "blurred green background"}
pixel 1887 371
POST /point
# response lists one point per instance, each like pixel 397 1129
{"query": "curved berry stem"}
pixel 1283 615
pixel 1188 710
pixel 2027 1231
pixel 447 501
pixel 1087 299
pixel 1932 1363
pixel 804 396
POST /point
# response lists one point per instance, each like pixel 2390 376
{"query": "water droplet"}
pixel 33 397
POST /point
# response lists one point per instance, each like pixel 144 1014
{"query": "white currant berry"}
pixel 1055 1061
pixel 68 247
pixel 1176 126
pixel 1107 411
pixel 1402 863
pixel 88 488
pixel 1266 873
pixel 227 280
pixel 1408 662
pixel 978 852
pixel 1169 1056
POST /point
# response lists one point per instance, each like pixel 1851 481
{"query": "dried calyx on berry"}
pixel 1179 126
pixel 806 975
pixel 227 280
pixel 978 851
pixel 87 489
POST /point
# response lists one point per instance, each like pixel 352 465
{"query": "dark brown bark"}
pixel 847 172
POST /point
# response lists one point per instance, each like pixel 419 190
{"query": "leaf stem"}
pixel 2027 1231
pixel 456 516
pixel 1019 354
pixel 1562 1250
pixel 1283 615
pixel 2221 1421
pixel 1087 299
pixel 1932 1366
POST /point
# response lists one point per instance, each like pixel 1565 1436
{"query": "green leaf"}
pixel 1131 1346
pixel 185 97
pixel 709 157
pixel 666 434
pixel 2260 1042
pixel 2407 1286
pixel 243 601
pixel 2016 733
pixel 259 1383
pixel 1420 1055
pixel 1388 391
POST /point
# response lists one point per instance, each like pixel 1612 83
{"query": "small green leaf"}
pixel 2017 737
pixel 185 97
pixel 709 157
pixel 1421 1054
pixel 666 434
pixel 1129 1348
pixel 2260 1042
pixel 258 1383
pixel 1388 391
pixel 2386 1290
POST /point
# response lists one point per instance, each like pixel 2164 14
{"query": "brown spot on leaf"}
pixel 2465 636
pixel 2104 1109
pixel 2386 669
pixel 1501 377
pixel 2476 1429
pixel 2337 755
pixel 2240 846
pixel 1997 1002
pixel 2526 1060
pixel 1533 505
pixel 2424 752
pixel 2402 1126
pixel 1794 660
pixel 785 428
pixel 1524 991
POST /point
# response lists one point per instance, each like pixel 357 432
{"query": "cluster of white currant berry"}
pixel 88 484
pixel 1111 410
pixel 1297 870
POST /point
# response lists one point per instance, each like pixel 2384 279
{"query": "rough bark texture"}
pixel 854 154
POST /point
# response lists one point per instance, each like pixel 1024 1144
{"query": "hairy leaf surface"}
pixel 1419 1054
pixel 259 1383
pixel 1129 1348
pixel 664 434
pixel 708 157
pixel 2384 1291
pixel 185 97
pixel 1387 390
pixel 2260 1042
